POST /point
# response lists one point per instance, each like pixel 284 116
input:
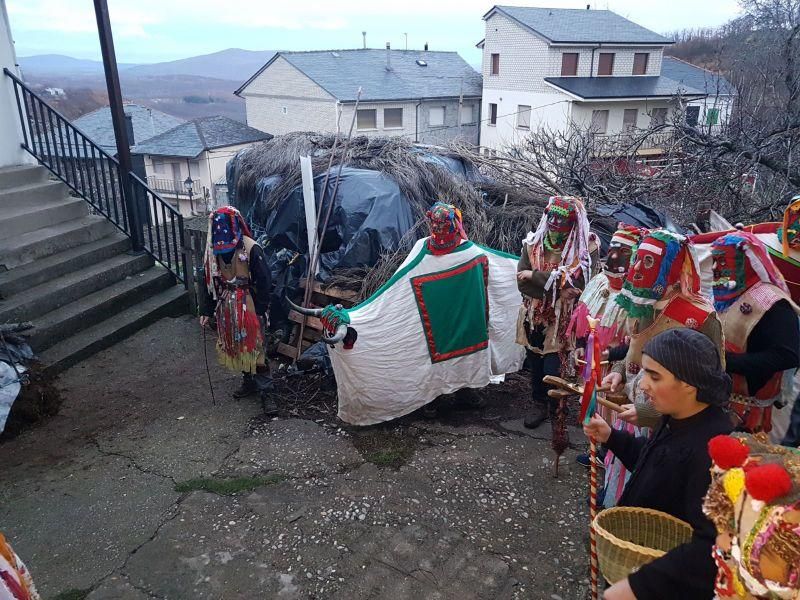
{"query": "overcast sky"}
pixel 156 30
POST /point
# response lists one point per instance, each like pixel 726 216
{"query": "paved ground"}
pixel 140 488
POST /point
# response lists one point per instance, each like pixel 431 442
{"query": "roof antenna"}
pixel 364 35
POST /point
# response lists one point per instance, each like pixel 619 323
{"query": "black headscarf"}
pixel 692 358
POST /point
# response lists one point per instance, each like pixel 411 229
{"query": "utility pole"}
pixel 118 119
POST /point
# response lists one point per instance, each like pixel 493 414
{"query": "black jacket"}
pixel 772 347
pixel 670 473
pixel 260 285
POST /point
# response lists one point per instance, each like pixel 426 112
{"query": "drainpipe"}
pixel 416 121
pixel 591 66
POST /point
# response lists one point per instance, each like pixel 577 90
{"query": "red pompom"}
pixel 768 482
pixel 727 452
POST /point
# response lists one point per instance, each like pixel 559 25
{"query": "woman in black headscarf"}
pixel 686 383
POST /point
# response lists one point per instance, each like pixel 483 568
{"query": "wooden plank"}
pixel 312 322
pixel 332 291
pixel 291 351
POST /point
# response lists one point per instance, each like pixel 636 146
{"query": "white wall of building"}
pixel 10 151
pixel 548 110
pixel 582 113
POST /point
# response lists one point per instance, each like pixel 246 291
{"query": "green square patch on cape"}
pixel 454 309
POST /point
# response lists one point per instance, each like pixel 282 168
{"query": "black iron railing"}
pixel 171 186
pixel 89 171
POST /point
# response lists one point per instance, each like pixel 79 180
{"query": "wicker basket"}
pixel 629 537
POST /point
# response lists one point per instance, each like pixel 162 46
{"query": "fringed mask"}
pixel 740 261
pixel 789 231
pixel 561 218
pixel 227 229
pixel 447 229
pixel 621 249
pixel 659 264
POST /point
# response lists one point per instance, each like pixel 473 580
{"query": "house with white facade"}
pixel 555 68
pixel 184 163
pixel 427 97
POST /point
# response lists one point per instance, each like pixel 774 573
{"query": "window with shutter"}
pixel 629 118
pixel 495 64
pixel 605 65
pixel 640 63
pixel 492 114
pixel 392 118
pixel 367 118
pixel 436 116
pixel 569 64
pixel 658 116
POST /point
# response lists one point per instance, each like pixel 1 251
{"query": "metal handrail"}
pixel 96 176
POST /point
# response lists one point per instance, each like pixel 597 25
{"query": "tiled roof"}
pixel 698 78
pixel 189 139
pixel 677 77
pixel 147 122
pixel 414 74
pixel 564 25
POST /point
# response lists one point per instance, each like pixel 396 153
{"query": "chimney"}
pixel 588 7
pixel 388 57
pixel 364 35
pixel 426 46
pixel 129 129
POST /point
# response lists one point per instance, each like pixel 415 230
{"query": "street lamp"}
pixel 189 184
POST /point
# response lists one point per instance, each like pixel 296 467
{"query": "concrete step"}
pixel 61 263
pixel 89 310
pixel 16 220
pixel 34 302
pixel 33 245
pixel 32 194
pixel 22 174
pixel 170 302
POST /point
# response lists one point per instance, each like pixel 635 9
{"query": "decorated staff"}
pixel 554 266
pixel 592 373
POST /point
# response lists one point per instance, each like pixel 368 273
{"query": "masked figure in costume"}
pixel 447 316
pixel 238 285
pixel 661 292
pixel 553 269
pixel 759 320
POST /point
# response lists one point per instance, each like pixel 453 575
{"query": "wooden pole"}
pixel 593 566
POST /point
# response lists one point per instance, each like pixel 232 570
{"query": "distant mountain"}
pixel 232 64
pixel 58 64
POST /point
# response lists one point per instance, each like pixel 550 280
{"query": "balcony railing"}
pixel 96 176
pixel 170 186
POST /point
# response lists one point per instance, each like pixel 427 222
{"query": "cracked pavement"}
pixel 88 497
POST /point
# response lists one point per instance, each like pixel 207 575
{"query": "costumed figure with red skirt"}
pixel 759 320
pixel 555 265
pixel 237 291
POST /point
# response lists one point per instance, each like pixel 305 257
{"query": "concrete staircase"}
pixel 70 272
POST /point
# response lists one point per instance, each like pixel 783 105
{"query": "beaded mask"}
pixel 621 249
pixel 740 260
pixel 227 228
pixel 447 229
pixel 661 262
pixel 561 218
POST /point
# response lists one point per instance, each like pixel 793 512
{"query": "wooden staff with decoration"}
pixel 592 375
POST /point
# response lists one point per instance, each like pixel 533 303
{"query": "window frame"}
pixel 493 114
pixel 600 61
pixel 520 111
pixel 577 56
pixel 646 63
pixel 430 115
pixel 605 126
pixel 696 111
pixel 472 118
pixel 709 112
pixel 394 108
pixel 628 126
pixel 375 119
pixel 494 63
pixel 653 121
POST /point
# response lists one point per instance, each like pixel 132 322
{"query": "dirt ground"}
pixel 142 488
